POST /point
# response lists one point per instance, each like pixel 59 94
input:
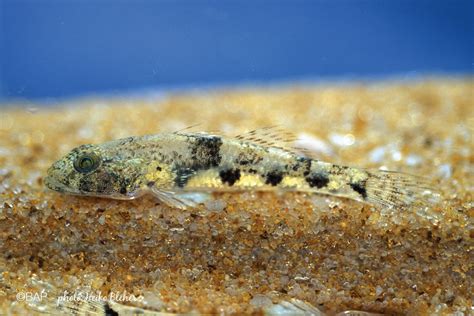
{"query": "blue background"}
pixel 51 49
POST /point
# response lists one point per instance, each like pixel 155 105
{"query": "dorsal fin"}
pixel 271 136
pixel 276 136
pixel 187 129
pixel 193 130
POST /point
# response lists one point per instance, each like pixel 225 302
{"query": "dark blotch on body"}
pixel 274 177
pixel 303 165
pixel 317 180
pixel 183 175
pixel 206 151
pixel 359 187
pixel 229 176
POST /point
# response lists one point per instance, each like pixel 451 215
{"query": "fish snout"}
pixel 52 180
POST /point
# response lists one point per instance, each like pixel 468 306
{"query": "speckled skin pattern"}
pixel 180 162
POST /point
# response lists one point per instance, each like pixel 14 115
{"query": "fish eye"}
pixel 86 163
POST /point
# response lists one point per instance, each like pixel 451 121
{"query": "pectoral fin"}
pixel 181 200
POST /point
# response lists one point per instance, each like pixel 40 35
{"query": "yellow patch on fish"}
pixel 249 180
pixel 334 185
pixel 209 178
pixel 294 182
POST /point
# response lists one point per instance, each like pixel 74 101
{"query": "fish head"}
pixel 92 170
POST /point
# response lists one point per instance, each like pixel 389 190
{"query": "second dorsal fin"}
pixel 271 136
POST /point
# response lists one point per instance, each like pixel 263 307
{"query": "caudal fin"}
pixel 395 189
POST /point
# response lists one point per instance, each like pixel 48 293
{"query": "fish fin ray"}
pixel 270 136
pixel 181 200
pixel 191 130
pixel 306 152
pixel 396 189
pixel 187 128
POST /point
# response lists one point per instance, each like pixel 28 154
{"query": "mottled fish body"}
pixel 173 165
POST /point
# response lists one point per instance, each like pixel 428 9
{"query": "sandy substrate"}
pixel 244 252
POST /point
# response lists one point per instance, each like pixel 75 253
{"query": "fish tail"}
pixel 395 189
